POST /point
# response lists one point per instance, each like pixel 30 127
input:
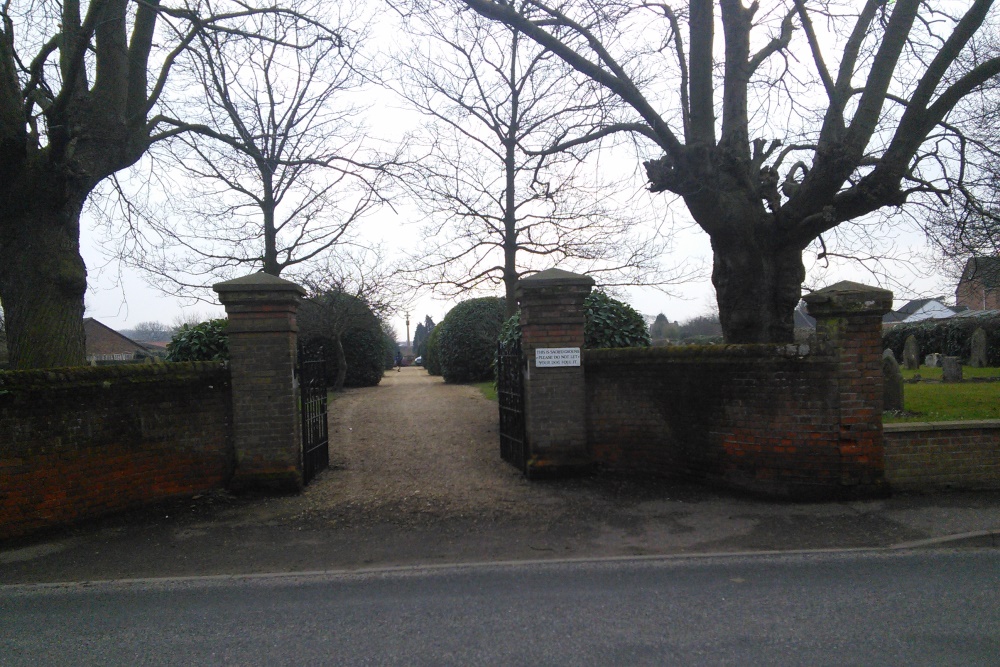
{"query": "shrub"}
pixel 432 361
pixel 612 323
pixel 468 339
pixel 602 313
pixel 951 337
pixel 365 351
pixel 206 341
pixel 328 315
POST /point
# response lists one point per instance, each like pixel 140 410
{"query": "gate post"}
pixel 849 320
pixel 555 399
pixel 262 335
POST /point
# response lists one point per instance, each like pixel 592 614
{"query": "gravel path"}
pixel 414 450
pixel 415 446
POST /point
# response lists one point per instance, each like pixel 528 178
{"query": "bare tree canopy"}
pixel 498 206
pixel 80 85
pixel 274 169
pixel 797 117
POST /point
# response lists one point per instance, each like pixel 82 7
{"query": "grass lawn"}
pixel 489 391
pixel 936 401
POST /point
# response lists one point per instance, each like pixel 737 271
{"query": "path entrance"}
pixel 415 447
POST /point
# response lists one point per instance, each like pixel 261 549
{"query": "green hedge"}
pixel 612 323
pixel 206 341
pixel 951 337
pixel 468 339
pixel 432 357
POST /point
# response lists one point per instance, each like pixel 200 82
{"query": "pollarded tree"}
pixel 274 169
pixel 497 208
pixel 79 87
pixel 807 115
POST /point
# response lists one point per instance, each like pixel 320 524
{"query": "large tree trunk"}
pixel 757 284
pixel 43 280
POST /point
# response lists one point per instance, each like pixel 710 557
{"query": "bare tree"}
pixel 810 114
pixel 497 207
pixel 152 331
pixel 968 224
pixel 276 169
pixel 79 88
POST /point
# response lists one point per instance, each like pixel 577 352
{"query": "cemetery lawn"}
pixel 937 401
pixel 934 373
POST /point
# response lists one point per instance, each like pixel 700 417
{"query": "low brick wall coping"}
pixel 708 353
pixel 906 427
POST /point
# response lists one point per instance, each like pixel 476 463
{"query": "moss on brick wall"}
pixel 80 442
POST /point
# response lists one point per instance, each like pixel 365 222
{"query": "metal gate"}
pixel 315 434
pixel 510 396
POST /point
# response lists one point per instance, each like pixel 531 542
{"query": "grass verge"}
pixel 487 389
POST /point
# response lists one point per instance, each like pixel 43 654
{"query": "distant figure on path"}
pixel 399 361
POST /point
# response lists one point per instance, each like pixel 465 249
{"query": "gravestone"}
pixel 951 369
pixel 892 384
pixel 911 354
pixel 932 360
pixel 977 358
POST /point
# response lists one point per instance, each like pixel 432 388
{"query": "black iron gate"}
pixel 315 435
pixel 510 396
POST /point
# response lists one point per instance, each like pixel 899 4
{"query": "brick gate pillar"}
pixel 266 423
pixel 552 322
pixel 849 319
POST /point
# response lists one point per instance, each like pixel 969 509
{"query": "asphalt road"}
pixel 847 608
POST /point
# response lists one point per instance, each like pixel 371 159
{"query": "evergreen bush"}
pixel 325 316
pixel 468 339
pixel 951 337
pixel 365 351
pixel 206 341
pixel 612 323
pixel 431 359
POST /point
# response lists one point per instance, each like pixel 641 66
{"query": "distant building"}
pixel 105 344
pixel 922 309
pixel 979 286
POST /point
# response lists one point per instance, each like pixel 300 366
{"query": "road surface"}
pixel 913 608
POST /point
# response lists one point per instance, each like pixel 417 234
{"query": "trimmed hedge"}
pixel 468 338
pixel 432 358
pixel 951 337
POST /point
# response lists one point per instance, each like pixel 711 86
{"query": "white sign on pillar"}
pixel 555 357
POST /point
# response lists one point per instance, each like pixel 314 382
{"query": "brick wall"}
pixel 81 442
pixel 958 455
pixel 761 418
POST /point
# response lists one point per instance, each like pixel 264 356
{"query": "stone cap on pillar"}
pixel 554 278
pixel 258 286
pixel 848 298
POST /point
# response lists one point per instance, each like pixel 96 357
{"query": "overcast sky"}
pixel 120 298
